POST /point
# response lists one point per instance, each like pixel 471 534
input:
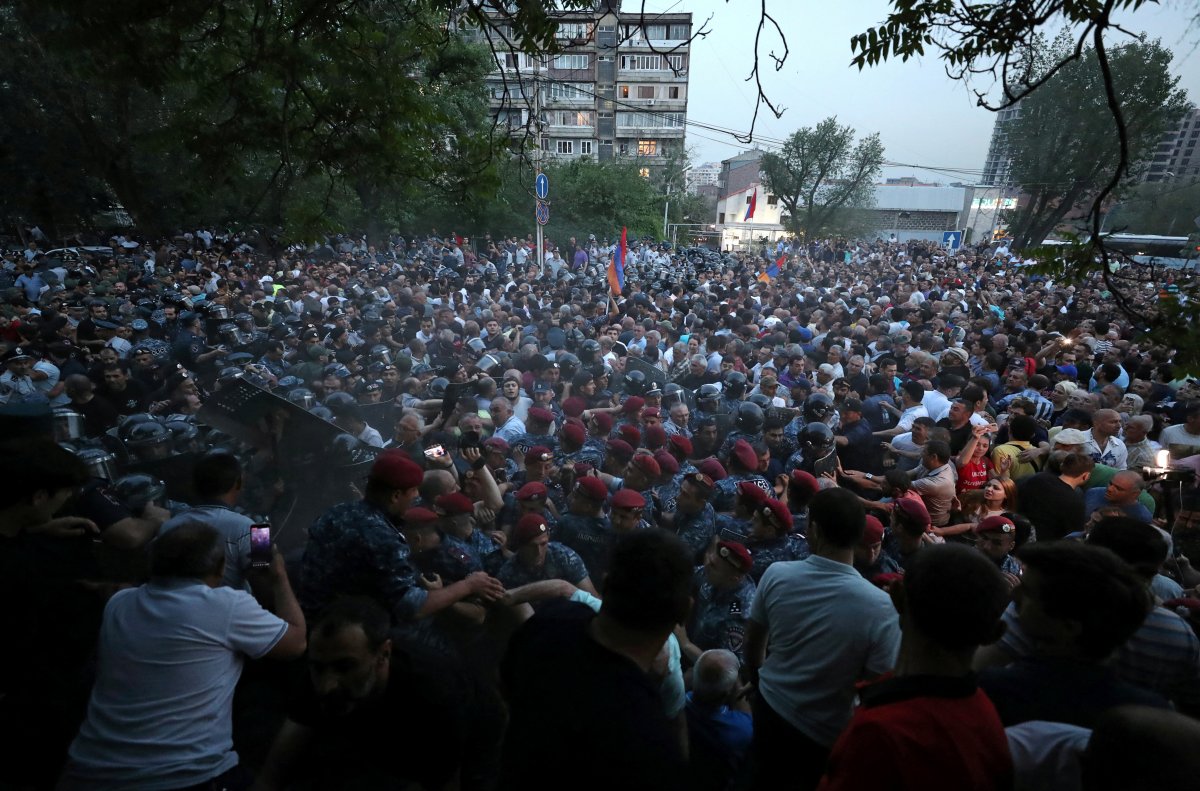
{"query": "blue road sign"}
pixel 543 212
pixel 541 186
pixel 952 239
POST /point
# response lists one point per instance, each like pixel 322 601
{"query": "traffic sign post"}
pixel 952 239
pixel 541 186
pixel 542 213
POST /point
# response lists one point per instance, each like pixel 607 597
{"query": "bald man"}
pixel 718 718
pixel 1103 444
pixel 1122 492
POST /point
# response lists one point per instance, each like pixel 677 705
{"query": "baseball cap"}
pixel 1069 436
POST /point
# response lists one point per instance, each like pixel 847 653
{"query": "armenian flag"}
pixel 750 208
pixel 773 270
pixel 616 267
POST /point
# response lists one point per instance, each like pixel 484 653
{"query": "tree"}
pixel 1062 145
pixel 296 114
pixel 1167 208
pixel 821 176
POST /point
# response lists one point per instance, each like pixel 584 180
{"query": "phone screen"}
pixel 435 452
pixel 260 546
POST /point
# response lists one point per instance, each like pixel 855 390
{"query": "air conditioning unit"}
pixel 650 103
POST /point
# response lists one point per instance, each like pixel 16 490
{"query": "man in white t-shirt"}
pixel 1183 439
pixel 169 656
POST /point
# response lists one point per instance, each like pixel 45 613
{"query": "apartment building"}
pixel 617 90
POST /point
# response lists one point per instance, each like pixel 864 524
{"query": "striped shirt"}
pixel 1163 655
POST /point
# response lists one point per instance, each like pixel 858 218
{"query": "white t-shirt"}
pixel 169 657
pixel 1178 435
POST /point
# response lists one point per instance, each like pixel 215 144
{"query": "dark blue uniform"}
pixel 697 530
pixel 776 550
pixel 523 443
pixel 719 615
pixel 591 537
pixel 481 546
pixel 725 496
pixel 562 563
pixel 354 549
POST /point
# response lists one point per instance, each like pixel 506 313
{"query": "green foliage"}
pixel 1166 208
pixel 1063 147
pixel 296 114
pixel 821 176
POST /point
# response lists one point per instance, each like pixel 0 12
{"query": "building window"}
pixel 569 91
pixel 644 172
pixel 512 60
pixel 624 91
pixel 572 118
pixel 574 30
pixel 678 32
pixel 721 218
pixel 772 200
pixel 651 120
pixel 673 92
pixel 566 147
pixel 623 149
pixel 645 92
pixel 676 62
pixel 571 62
pixel 585 146
pixel 647 148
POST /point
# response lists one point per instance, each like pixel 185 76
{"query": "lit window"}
pixel 644 173
pixel 647 148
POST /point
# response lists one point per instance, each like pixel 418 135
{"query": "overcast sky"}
pixel 923 117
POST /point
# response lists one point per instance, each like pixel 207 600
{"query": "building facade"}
pixel 739 187
pixel 617 91
pixel 1177 156
pixel 706 175
pixel 997 168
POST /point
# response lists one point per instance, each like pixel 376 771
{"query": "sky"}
pixel 923 117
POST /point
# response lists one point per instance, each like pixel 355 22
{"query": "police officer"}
pixel 772 539
pixel 539 431
pixel 737 525
pixel 743 466
pixel 723 592
pixel 585 529
pixel 536 558
pixel 458 528
pixel 996 537
pixel 749 427
pixel 693 520
pixel 627 513
pixel 572 449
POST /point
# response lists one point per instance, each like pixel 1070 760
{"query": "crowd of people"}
pixel 834 514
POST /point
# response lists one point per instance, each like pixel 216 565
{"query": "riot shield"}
pixel 653 373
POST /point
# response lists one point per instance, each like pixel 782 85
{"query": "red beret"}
pixel 455 503
pixel 630 434
pixel 884 580
pixel 531 490
pixel 633 404
pixel 536 454
pixel 873 533
pixel 654 437
pixel 681 444
pixel 628 498
pixel 541 414
pixel 780 514
pixel 604 420
pixel 744 455
pixel 593 488
pixel 666 462
pixel 803 484
pixel 528 528
pixel 496 443
pixel 650 411
pixel 419 517
pixel 913 511
pixel 621 449
pixel 395 469
pixel 752 491
pixel 582 468
pixel 736 554
pixel 573 406
pixel 574 434
pixel 712 468
pixel 646 463
pixel 996 524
